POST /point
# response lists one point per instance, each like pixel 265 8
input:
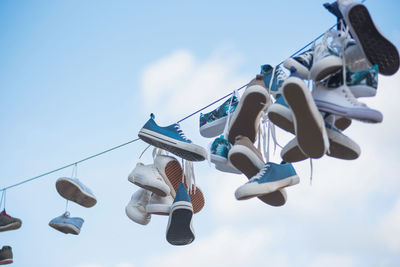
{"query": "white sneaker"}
pixel 340 101
pixel 148 177
pixel 135 210
pixel 159 205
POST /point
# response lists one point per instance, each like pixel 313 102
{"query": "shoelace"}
pixel 188 176
pixel 260 173
pixel 180 132
pixel 281 76
pixel 266 129
pixel 306 56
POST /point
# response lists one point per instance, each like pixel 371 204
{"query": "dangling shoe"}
pixel 302 64
pixel 74 190
pixel 342 123
pixel 180 229
pixel 171 170
pixel 172 139
pixel 270 178
pixel 246 158
pixel 308 122
pixel 219 155
pixel 375 46
pixel 66 224
pixel 213 123
pixel 9 223
pixel 148 177
pixel 245 119
pixel 6 255
pixel 159 205
pixel 136 208
pixel 273 78
pixel 280 114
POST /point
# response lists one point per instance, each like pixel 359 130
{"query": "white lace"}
pixel 188 177
pixel 159 151
pixel 180 132
pixel 266 129
pixel 260 173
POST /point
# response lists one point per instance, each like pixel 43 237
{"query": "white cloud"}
pixel 388 232
pixel 332 260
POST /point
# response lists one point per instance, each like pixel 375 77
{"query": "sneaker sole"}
pixel 342 147
pixel 362 91
pixel 250 167
pixel 11 226
pixel 281 116
pixel 72 191
pixel 179 230
pixel 173 171
pixel 377 49
pixel 308 123
pixel 324 67
pixel 342 123
pixel 255 189
pixel 6 261
pixel 292 153
pixel 184 150
pixel 247 114
pixel 214 128
pixel 158 209
pixel 66 228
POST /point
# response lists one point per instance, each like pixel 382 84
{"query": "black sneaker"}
pixel 302 63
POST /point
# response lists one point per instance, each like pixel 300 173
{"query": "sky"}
pixel 79 77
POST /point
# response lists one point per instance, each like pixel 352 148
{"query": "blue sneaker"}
pixel 172 139
pixel 278 76
pixel 219 155
pixel 66 224
pixel 180 230
pixel 270 178
pixel 302 63
pixel 74 190
pixel 213 123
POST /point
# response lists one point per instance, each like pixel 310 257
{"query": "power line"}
pixel 134 140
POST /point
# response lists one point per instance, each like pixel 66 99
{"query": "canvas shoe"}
pixel 326 58
pixel 6 255
pixel 171 170
pixel 375 46
pixel 148 177
pixel 270 178
pixel 341 101
pixel 308 122
pixel 280 114
pixel 8 223
pixel 172 139
pixel 159 205
pixel 213 123
pixel 246 158
pixel 219 155
pixel 246 118
pixel 361 84
pixel 67 224
pixel 136 208
pixel 301 63
pixel 74 190
pixel 180 229
pixel 273 78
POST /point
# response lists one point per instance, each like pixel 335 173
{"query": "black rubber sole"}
pixel 179 232
pixel 376 47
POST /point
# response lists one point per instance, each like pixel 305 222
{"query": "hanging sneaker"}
pixel 6 255
pixel 159 205
pixel 180 229
pixel 326 59
pixel 66 224
pixel 280 114
pixel 342 123
pixel 219 155
pixel 148 177
pixel 8 223
pixel 74 190
pixel 246 158
pixel 172 139
pixel 136 208
pixel 171 170
pixel 301 63
pixel 270 178
pixel 375 46
pixel 361 84
pixel 308 122
pixel 337 99
pixel 213 123
pixel 247 115
pixel 273 78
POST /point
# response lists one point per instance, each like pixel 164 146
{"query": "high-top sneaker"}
pixel 136 208
pixel 219 155
pixel 148 177
pixel 273 78
pixel 301 63
pixel 245 120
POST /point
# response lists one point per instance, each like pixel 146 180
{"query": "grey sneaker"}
pixel 8 223
pixel 66 224
pixel 6 255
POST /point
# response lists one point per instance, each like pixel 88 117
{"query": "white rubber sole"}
pixel 66 228
pixel 143 182
pixel 324 67
pixel 214 128
pixel 250 190
pixel 158 209
pixel 303 71
pixel 362 91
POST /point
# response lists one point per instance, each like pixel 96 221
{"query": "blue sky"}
pixel 78 77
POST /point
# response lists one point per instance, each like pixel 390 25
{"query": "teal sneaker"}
pixel 277 75
pixel 270 178
pixel 213 123
pixel 219 155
